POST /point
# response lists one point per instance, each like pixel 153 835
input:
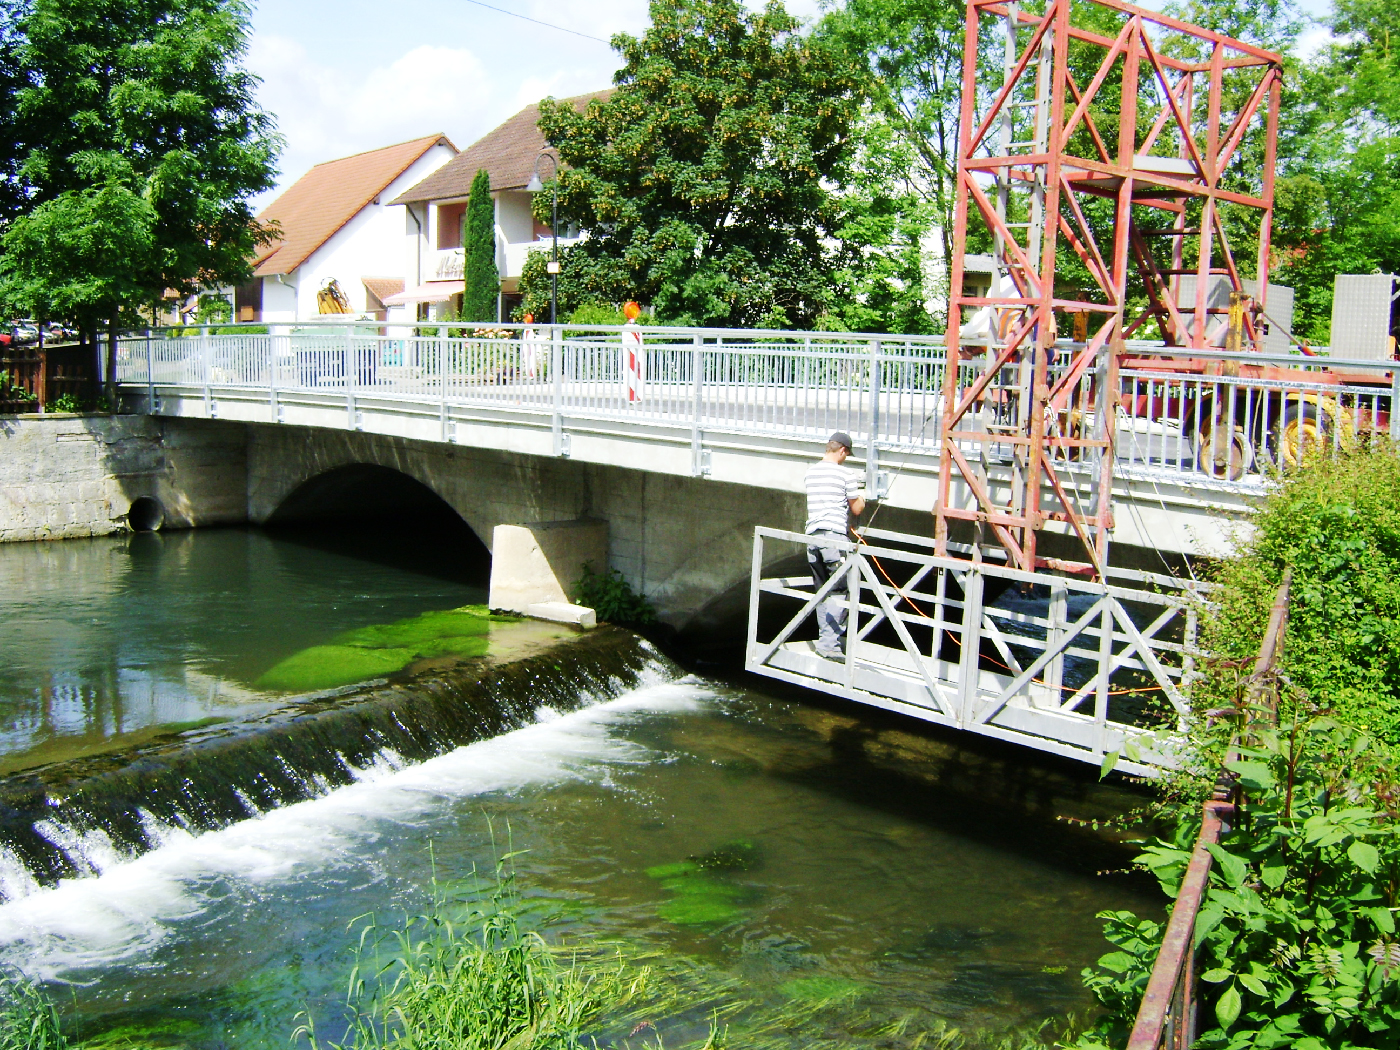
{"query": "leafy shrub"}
pixel 1336 521
pixel 612 598
pixel 1297 932
pixel 605 313
pixel 65 403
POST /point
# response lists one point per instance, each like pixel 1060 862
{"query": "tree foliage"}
pixel 137 144
pixel 703 181
pixel 482 279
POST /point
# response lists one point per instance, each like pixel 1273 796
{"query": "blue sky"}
pixel 354 75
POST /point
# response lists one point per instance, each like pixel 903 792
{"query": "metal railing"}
pixel 1214 430
pixel 1080 669
pixel 1166 1019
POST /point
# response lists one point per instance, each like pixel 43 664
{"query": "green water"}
pixel 796 851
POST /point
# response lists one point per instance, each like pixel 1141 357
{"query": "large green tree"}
pixel 705 180
pixel 1339 204
pixel 137 145
pixel 482 284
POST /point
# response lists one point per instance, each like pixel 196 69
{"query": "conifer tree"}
pixel 483 280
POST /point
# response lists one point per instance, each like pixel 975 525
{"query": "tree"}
pixel 138 144
pixel 482 279
pixel 11 80
pixel 1340 201
pixel 704 180
pixel 913 50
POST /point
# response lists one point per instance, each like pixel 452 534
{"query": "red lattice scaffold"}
pixel 1108 156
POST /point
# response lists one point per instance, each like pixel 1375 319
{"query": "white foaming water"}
pixel 127 910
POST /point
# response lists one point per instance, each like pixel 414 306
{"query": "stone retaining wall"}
pixel 67 475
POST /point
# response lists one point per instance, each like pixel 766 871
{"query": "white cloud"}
pixel 326 112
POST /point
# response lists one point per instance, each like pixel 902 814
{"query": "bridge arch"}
pixel 406 514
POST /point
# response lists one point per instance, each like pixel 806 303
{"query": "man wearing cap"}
pixel 833 495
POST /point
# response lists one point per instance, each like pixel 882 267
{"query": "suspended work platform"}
pixel 1088 670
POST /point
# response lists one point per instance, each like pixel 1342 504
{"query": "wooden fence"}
pixel 45 374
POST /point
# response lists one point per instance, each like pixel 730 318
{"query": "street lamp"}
pixel 535 186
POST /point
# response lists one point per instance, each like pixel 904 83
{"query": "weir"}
pixel 79 817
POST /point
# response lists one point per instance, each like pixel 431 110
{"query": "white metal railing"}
pixel 1170 421
pixel 1091 671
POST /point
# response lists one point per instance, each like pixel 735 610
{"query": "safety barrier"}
pixel 1091 671
pixel 1221 431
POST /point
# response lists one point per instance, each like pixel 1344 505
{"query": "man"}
pixel 833 495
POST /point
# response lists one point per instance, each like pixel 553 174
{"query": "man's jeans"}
pixel 832 613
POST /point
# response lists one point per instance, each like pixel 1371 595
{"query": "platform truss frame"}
pixel 1189 103
pixel 965 664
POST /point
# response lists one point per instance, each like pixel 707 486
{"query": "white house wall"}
pixel 369 245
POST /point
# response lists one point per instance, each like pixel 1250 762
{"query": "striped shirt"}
pixel 829 490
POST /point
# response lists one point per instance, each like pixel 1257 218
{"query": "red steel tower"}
pixel 1103 170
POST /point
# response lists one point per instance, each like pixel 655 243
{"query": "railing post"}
pixel 273 408
pixel 206 371
pixel 1395 405
pixel 350 365
pixel 872 451
pixel 150 377
pixel 969 672
pixel 697 364
pixel 442 381
pixel 556 375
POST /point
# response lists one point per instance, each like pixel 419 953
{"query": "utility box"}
pixel 1275 324
pixel 541 563
pixel 1365 316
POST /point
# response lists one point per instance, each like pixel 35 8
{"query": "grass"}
pixel 28 1021
pixel 382 649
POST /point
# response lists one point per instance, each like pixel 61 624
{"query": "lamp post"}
pixel 535 186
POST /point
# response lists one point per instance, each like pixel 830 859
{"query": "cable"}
pixel 547 25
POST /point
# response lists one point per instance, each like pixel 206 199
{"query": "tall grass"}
pixel 466 976
pixel 28 1020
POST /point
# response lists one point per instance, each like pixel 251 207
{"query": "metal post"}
pixel 556 374
pixel 350 364
pixel 872 451
pixel 273 407
pixel 1395 405
pixel 206 372
pixel 970 658
pixel 150 376
pixel 442 389
pixel 697 362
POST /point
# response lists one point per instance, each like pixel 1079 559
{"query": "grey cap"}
pixel 842 437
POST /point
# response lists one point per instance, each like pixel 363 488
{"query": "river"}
pixel 904 874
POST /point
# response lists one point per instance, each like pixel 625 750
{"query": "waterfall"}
pixel 76 818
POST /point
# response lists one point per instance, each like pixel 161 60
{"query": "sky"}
pixel 345 76
pixel 353 75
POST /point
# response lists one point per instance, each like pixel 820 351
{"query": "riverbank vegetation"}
pixel 1297 933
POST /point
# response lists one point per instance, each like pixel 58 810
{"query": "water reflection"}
pixel 106 641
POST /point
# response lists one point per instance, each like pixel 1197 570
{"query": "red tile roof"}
pixel 380 288
pixel 506 154
pixel 328 196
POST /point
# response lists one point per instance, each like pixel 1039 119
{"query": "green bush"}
pixel 1297 932
pixel 1337 523
pixel 604 313
pixel 612 598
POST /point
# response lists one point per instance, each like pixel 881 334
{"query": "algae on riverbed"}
pixel 381 649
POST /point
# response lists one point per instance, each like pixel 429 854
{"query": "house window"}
pixel 449 232
pixel 247 301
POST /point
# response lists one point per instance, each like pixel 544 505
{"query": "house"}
pixel 339 223
pixel 436 207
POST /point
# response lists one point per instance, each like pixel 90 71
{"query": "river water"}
pixel 906 875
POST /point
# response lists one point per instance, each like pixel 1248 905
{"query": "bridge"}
pixel 1070 669
pixel 748 407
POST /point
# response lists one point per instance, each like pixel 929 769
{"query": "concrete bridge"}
pixel 536 425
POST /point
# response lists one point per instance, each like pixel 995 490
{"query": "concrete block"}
pixel 543 562
pixel 563 612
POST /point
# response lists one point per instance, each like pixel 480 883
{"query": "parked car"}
pixel 25 333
